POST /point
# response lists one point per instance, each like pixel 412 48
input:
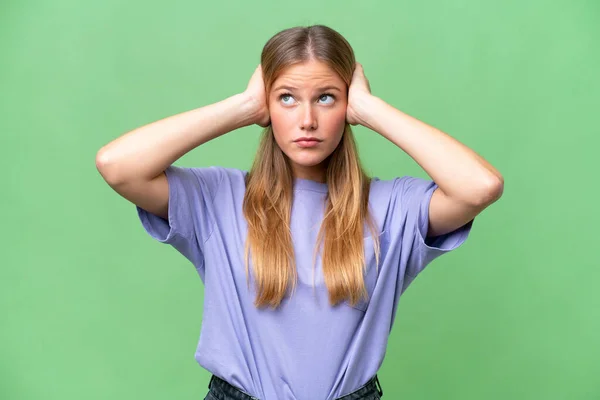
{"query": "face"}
pixel 308 101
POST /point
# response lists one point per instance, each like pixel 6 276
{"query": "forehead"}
pixel 308 74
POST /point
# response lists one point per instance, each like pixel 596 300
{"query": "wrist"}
pixel 366 107
pixel 254 109
pixel 245 109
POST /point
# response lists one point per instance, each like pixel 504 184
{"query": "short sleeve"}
pixel 413 197
pixel 190 210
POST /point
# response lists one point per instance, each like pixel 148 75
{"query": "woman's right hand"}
pixel 258 98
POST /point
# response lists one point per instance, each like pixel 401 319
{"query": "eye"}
pixel 332 97
pixel 284 98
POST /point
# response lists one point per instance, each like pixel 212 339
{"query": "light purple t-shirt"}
pixel 306 349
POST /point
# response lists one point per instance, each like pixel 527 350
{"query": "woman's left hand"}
pixel 359 91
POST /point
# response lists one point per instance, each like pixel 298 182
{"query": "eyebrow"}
pixel 320 89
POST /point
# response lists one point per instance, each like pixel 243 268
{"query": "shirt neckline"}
pixel 307 184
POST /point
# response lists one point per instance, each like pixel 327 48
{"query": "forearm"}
pixel 145 152
pixel 459 172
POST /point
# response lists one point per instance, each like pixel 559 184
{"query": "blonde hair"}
pixel 269 188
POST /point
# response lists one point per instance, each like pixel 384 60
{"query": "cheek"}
pixel 280 123
pixel 337 121
pixel 282 126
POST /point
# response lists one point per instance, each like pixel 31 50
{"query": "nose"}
pixel 309 118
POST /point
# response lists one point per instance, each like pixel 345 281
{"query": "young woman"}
pixel 304 257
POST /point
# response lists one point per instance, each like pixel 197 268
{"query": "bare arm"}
pixel 467 183
pixel 134 163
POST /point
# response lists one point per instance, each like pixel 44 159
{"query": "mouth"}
pixel 307 139
pixel 305 142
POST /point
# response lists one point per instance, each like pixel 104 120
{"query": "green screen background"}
pixel 92 308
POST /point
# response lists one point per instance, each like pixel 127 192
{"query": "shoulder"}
pixel 214 173
pixel 403 186
pixel 208 181
pixel 400 195
pixel 232 177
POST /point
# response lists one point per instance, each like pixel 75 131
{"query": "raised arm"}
pixel 467 183
pixel 134 163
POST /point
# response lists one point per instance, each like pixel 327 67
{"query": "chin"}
pixel 307 159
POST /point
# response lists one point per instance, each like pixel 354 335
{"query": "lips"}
pixel 307 142
pixel 307 139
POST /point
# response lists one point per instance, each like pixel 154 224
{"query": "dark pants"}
pixel 220 389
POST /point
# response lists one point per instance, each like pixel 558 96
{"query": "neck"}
pixel 315 173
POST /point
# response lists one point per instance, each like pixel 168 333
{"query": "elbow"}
pixel 104 167
pixel 101 159
pixel 490 191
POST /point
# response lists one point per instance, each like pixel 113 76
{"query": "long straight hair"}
pixel 269 188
